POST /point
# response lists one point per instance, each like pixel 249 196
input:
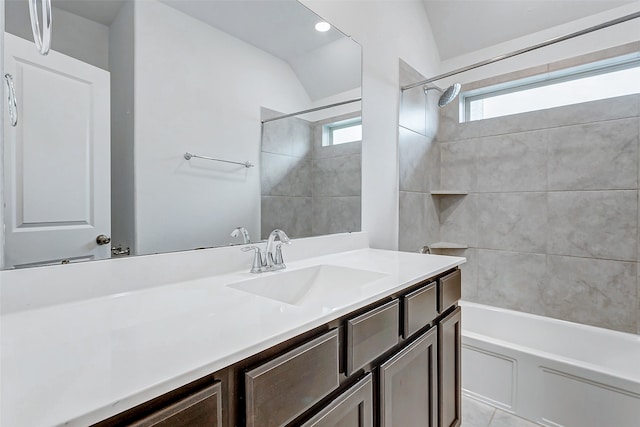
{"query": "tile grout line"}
pixel 469 193
pixel 540 253
pixel 492 417
pixel 535 129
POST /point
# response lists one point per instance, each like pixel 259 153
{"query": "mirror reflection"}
pixel 96 165
pixel 311 172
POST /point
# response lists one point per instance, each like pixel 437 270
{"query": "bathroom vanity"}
pixel 325 377
pixel 346 335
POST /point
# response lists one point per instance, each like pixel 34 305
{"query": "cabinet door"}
pixel 201 409
pixel 408 385
pixel 449 352
pixel 353 408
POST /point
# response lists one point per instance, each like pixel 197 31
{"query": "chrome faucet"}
pixel 259 264
pixel 272 258
pixel 424 250
pixel 245 234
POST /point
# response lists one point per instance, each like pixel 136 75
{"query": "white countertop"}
pixel 79 362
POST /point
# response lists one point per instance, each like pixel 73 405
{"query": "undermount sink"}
pixel 322 285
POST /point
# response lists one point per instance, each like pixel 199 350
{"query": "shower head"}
pixel 448 95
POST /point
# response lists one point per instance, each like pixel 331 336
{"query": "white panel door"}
pixel 57 159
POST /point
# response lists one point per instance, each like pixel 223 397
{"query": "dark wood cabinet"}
pixel 449 358
pixel 371 334
pixel 198 404
pixel 353 408
pixel 201 409
pixel 282 389
pixel 408 385
pixel 419 309
pixel 394 363
pixel 449 290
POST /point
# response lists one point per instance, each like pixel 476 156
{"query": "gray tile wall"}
pixel 337 183
pixel 419 164
pixel 552 214
pixel 286 177
pixel 307 189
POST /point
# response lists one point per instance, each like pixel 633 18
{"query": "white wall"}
pixel 72 35
pixel 595 41
pixel 206 100
pixel 2 119
pixel 387 31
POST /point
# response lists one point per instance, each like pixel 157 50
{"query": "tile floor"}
pixel 478 414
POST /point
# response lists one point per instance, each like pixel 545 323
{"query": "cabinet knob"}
pixel 103 240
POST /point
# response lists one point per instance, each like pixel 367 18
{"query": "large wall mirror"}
pixel 106 119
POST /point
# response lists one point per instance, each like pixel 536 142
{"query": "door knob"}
pixel 103 240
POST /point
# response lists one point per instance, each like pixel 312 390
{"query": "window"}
pixel 342 132
pixel 605 79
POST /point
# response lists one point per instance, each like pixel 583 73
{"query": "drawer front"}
pixel 371 334
pixel 353 408
pixel 419 308
pixel 201 409
pixel 282 389
pixel 450 290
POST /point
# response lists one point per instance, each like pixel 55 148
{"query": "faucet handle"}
pixel 258 263
pixel 279 260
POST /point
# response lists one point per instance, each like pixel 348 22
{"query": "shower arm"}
pixel 554 40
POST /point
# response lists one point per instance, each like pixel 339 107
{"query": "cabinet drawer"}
pixel 371 334
pixel 450 290
pixel 353 408
pixel 282 389
pixel 419 308
pixel 201 409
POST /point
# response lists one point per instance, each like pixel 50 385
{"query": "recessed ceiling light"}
pixel 323 27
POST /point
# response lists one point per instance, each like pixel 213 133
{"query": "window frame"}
pixel 329 128
pixel 606 66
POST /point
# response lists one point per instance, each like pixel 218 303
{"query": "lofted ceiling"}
pixel 283 28
pixel 463 26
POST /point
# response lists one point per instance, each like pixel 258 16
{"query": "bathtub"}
pixel 549 371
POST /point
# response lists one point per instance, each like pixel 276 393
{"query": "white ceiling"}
pixel 283 28
pixel 325 63
pixel 463 26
